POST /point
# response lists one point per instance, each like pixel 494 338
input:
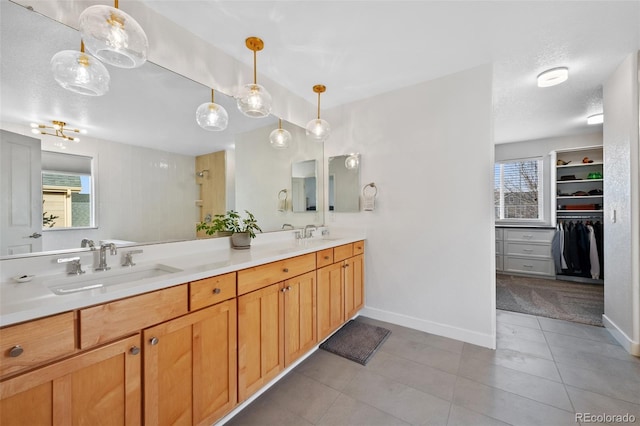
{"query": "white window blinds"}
pixel 518 190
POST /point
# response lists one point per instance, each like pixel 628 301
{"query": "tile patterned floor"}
pixel 543 372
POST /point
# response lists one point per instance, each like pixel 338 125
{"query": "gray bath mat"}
pixel 356 341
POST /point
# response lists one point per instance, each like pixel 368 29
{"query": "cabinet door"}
pixel 100 386
pixel 353 285
pixel 300 334
pixel 330 299
pixel 190 367
pixel 260 338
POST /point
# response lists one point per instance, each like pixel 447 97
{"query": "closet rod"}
pixel 580 217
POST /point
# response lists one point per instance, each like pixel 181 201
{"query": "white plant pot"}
pixel 240 240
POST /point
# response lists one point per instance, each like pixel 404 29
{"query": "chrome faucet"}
pixel 102 266
pixel 87 243
pixel 308 231
pixel 75 268
pixel 128 257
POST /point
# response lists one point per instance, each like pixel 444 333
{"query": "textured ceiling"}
pixel 358 49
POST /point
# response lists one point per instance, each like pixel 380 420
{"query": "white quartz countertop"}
pixel 34 299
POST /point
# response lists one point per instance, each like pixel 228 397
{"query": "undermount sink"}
pixel 103 280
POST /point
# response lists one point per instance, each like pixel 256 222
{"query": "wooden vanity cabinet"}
pixel 99 386
pixel 353 285
pixel 190 367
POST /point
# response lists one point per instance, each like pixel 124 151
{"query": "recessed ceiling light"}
pixel 553 76
pixel 595 119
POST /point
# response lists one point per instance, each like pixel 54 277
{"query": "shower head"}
pixel 201 173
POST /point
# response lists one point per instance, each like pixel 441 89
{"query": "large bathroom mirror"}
pixel 143 140
pixel 344 183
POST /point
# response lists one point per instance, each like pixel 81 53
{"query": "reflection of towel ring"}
pixel 283 192
pixel 372 185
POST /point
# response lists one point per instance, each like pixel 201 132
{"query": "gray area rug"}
pixel 570 301
pixel 356 341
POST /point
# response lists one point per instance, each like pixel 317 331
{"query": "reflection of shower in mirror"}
pixel 201 173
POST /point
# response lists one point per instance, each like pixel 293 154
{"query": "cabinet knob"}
pixel 15 351
pixel 154 341
pixel 285 270
pixel 134 350
pixel 216 291
pixel 326 258
pixel 285 289
pixel 346 265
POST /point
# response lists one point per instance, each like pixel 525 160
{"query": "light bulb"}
pixel 254 101
pixel 352 162
pixel 212 117
pixel 280 138
pixel 80 73
pixel 318 129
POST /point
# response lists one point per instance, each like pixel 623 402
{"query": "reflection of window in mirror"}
pixel 67 195
pixel 344 186
pixel 303 186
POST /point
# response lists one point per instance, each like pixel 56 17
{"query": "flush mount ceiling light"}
pixel 113 36
pixel 553 77
pixel 211 116
pixel 254 100
pixel 352 161
pixel 595 119
pixel 59 128
pixel 80 73
pixel 318 128
pixel 280 138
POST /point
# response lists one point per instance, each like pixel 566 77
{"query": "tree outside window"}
pixel 518 190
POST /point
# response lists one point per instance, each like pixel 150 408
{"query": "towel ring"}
pixel 372 185
pixel 282 192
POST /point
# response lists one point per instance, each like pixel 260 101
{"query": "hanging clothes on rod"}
pixel 577 250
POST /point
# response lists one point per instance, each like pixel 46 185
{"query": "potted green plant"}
pixel 241 230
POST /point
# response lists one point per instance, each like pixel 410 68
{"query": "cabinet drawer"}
pixel 251 279
pixel 209 291
pixel 537 235
pixel 499 263
pixel 529 265
pixel 499 233
pixel 358 247
pixel 342 252
pixel 40 340
pixel 324 257
pixel 524 249
pixel 107 322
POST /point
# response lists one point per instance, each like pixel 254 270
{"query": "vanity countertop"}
pixel 33 299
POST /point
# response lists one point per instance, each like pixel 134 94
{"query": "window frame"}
pixel 499 215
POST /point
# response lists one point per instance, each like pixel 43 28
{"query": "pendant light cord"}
pixel 212 97
pixel 318 105
pixel 255 80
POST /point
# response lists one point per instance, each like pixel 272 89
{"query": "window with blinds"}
pixel 518 189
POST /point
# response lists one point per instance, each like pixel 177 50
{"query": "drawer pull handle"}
pixel 15 351
pixel 134 350
pixel 528 236
pixel 285 270
pixel 527 250
pixel 216 291
pixel 528 266
pixel 154 341
pixel 326 258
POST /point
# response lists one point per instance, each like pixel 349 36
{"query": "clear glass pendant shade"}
pixel 254 101
pixel 78 72
pixel 212 117
pixel 318 129
pixel 280 138
pixel 352 162
pixel 113 36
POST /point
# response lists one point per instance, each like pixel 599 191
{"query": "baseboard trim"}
pixel 625 341
pixel 480 339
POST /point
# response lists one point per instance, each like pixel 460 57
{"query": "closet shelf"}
pixel 579 211
pixel 578 180
pixel 578 197
pixel 566 166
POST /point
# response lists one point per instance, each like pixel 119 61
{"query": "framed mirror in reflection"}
pixel 344 184
pixel 144 141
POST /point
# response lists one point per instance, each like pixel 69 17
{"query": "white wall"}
pixel 622 195
pixel 430 252
pixel 542 148
pixel 142 194
pixel 256 160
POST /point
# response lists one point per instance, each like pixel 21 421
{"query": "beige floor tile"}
pixel 330 369
pixel 422 354
pixel 349 411
pixel 626 388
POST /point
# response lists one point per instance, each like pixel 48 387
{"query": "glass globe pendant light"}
pixel 254 100
pixel 211 116
pixel 318 128
pixel 113 36
pixel 80 73
pixel 352 161
pixel 280 138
